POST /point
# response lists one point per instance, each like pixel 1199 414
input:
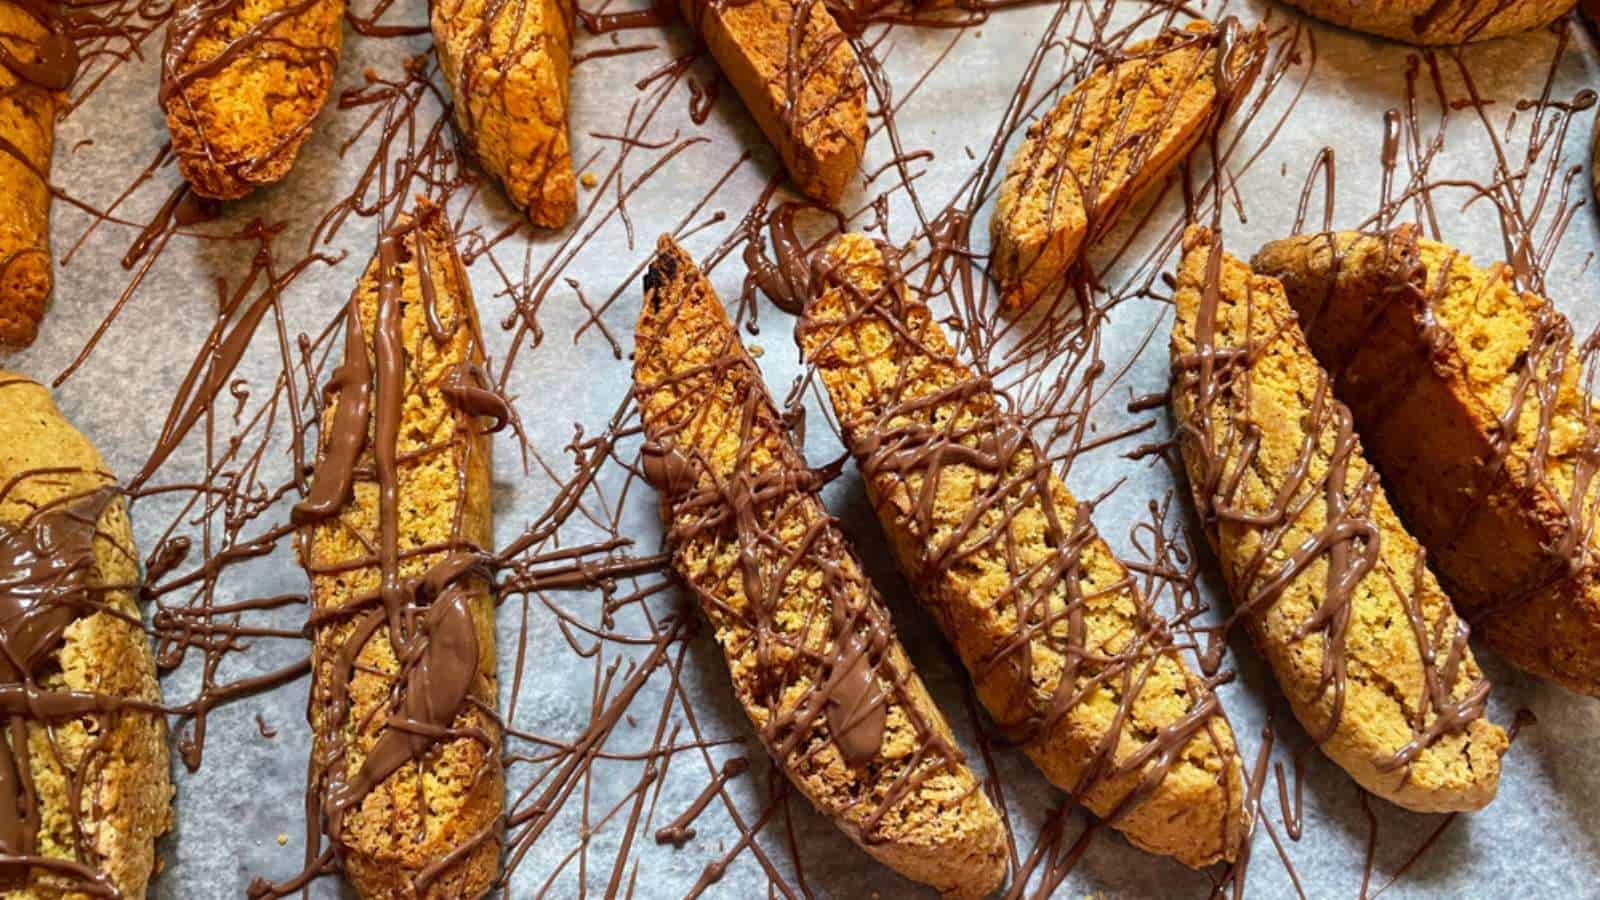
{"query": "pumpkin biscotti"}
pixel 83 762
pixel 1116 133
pixel 241 85
pixel 1430 22
pixel 1471 398
pixel 800 80
pixel 27 135
pixel 1333 590
pixel 1066 654
pixel 507 63
pixel 811 651
pixel 405 768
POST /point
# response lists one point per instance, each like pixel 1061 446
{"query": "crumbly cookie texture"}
pixel 430 829
pixel 739 499
pixel 121 758
pixel 1115 134
pixel 976 541
pixel 1332 588
pixel 507 63
pixel 27 134
pixel 1421 342
pixel 821 134
pixel 1427 22
pixel 242 82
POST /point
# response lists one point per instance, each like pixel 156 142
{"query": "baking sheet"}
pixel 241 814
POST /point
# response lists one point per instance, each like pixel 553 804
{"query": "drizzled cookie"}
pixel 794 69
pixel 1066 654
pixel 811 651
pixel 1335 593
pixel 507 63
pixel 1437 21
pixel 241 85
pixel 1473 402
pixel 37 61
pixel 1115 134
pixel 406 775
pixel 84 779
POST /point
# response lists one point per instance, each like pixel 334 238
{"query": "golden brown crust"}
pixel 242 82
pixel 1423 342
pixel 821 136
pixel 1427 22
pixel 914 806
pixel 886 363
pixel 443 483
pixel 1115 134
pixel 27 134
pixel 507 63
pixel 127 799
pixel 1276 470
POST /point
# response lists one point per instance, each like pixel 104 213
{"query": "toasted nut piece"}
pixel 1106 707
pixel 1116 133
pixel 241 84
pixel 507 63
pixel 1427 22
pixel 1331 587
pixel 821 135
pixel 810 648
pixel 27 134
pixel 1421 342
pixel 392 537
pixel 60 507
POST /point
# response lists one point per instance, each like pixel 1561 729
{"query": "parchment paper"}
pixel 1536 840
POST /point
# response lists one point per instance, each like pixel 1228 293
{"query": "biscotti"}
pixel 1116 133
pixel 1066 654
pixel 507 63
pixel 811 651
pixel 800 81
pixel 83 765
pixel 1334 592
pixel 241 85
pixel 1471 399
pixel 1428 22
pixel 405 768
pixel 28 101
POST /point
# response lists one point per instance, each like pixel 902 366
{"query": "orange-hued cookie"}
pixel 1116 133
pixel 507 63
pixel 810 648
pixel 800 80
pixel 1333 590
pixel 34 65
pixel 242 82
pixel 1066 654
pixel 405 768
pixel 1428 22
pixel 1471 398
pixel 86 750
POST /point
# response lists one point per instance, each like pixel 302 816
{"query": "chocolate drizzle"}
pixel 1223 440
pixel 439 693
pixel 572 568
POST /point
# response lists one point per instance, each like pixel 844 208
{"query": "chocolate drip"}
pixel 46 567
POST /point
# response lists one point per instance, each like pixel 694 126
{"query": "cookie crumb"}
pixel 589 181
pixel 283 839
pixel 756 352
